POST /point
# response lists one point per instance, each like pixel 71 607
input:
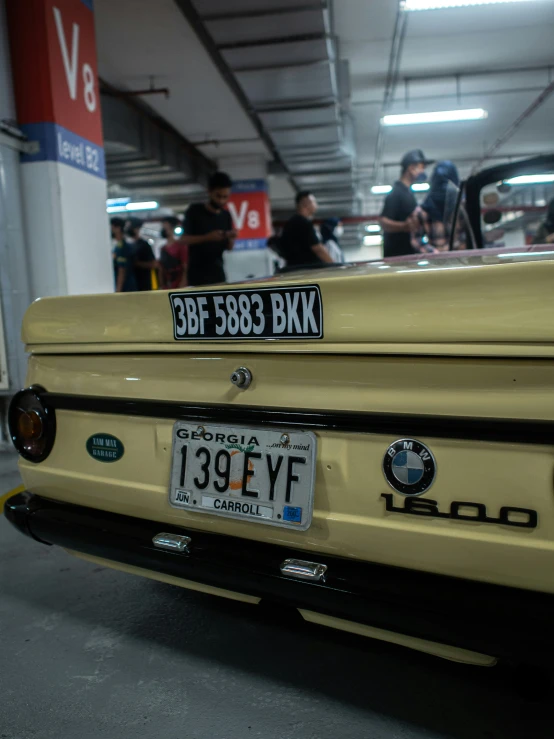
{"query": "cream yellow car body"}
pixel 468 340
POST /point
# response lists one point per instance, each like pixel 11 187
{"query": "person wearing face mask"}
pixel 173 256
pixel 208 231
pixel 123 259
pixel 437 209
pixel 400 216
pixel 145 261
pixel 331 231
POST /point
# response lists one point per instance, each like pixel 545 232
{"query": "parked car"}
pixel 372 445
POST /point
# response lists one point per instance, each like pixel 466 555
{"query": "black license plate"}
pixel 251 313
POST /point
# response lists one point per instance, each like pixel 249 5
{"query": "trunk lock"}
pixel 241 378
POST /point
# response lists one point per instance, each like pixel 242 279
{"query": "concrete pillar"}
pixel 250 210
pixel 57 98
pixel 14 279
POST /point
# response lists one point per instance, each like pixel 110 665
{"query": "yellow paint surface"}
pixel 350 519
pixel 454 654
pixel 7 496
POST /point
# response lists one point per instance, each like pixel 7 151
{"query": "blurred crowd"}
pixel 409 228
pixel 191 254
pixel 192 249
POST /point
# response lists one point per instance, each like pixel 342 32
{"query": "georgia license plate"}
pixel 262 475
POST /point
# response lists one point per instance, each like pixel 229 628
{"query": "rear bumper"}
pixel 504 622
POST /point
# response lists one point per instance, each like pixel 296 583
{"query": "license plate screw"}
pixel 285 439
pixel 200 430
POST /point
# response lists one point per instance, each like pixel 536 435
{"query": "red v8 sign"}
pixel 54 64
pixel 55 80
pixel 73 68
pixel 250 213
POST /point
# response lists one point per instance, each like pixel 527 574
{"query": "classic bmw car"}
pixel 372 445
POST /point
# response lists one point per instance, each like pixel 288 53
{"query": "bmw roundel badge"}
pixel 409 467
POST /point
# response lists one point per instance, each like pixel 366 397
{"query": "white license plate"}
pixel 261 475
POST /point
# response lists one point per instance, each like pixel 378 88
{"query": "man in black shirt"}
pixel 399 217
pixel 209 233
pixel 145 261
pixel 300 243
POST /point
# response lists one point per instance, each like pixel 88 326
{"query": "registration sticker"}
pixel 292 514
pixel 250 313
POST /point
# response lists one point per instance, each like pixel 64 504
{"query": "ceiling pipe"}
pixel 527 113
pixel 192 17
pixel 444 96
pixel 424 76
pixel 203 162
pixel 135 93
pixel 152 90
pixel 264 12
pixel 395 57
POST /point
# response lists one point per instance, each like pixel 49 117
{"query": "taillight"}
pixel 32 425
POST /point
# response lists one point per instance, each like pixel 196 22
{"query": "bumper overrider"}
pixel 491 619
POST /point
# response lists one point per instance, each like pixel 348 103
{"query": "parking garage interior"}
pixel 126 108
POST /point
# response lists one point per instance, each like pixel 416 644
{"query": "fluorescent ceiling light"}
pixel 179 230
pixel 373 228
pixel 439 116
pixel 438 4
pixel 372 241
pixel 146 205
pixel 111 202
pixel 421 187
pixel 381 189
pixel 531 179
pixel 525 254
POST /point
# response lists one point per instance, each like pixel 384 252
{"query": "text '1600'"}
pixel 256 313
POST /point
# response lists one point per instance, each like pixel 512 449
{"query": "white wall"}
pixel 68 240
pixel 14 282
pixel 86 232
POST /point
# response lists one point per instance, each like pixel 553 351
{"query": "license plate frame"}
pixel 293 499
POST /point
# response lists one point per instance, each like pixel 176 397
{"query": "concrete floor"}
pixel 89 652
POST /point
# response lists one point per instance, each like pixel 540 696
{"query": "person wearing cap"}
pixel 144 260
pixel 399 218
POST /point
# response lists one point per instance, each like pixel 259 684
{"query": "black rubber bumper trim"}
pixel 528 431
pixel 504 622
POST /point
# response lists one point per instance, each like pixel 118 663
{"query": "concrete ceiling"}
pixel 465 57
pixel 140 39
pixel 497 57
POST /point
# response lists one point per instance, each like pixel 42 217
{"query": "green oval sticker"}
pixel 105 447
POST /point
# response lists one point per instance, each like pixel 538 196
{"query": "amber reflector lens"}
pixel 32 424
pixel 29 426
